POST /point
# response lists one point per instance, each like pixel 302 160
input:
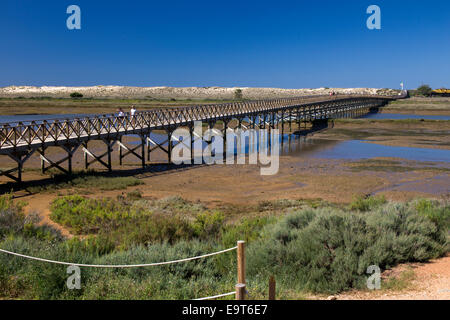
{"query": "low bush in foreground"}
pixel 329 250
pixel 322 250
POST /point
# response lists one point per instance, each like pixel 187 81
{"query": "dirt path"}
pixel 40 203
pixel 430 281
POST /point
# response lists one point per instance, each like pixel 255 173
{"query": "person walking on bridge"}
pixel 120 115
pixel 132 113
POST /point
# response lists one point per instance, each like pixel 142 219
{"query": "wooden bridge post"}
pixel 169 146
pixel 143 140
pixel 19 171
pixel 149 149
pixel 290 121
pixel 192 138
pixel 86 163
pixel 225 127
pixel 20 159
pixel 241 261
pixel 272 121
pixel 109 146
pixel 70 152
pixel 42 160
pixel 120 150
pixel 272 288
pixel 240 291
pixel 108 164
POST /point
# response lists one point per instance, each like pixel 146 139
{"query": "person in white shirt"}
pixel 132 113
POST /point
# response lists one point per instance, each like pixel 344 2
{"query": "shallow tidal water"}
pixel 395 116
pixel 360 149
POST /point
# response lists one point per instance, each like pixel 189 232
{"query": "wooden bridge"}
pixel 21 140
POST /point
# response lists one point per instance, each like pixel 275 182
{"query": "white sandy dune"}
pixel 178 92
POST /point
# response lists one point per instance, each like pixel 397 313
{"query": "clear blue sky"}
pixel 288 44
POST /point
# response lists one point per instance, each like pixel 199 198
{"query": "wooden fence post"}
pixel 241 261
pixel 272 288
pixel 240 291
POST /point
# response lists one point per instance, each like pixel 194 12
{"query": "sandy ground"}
pixel 178 92
pixel 431 281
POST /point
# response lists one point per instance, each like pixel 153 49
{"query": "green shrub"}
pixel 12 219
pixel 367 203
pixel 76 95
pixel 247 229
pixel 329 250
pixel 176 204
pixel 86 216
pixel 424 90
pixel 208 225
pixel 140 222
pixel 134 195
pixel 433 210
pixel 238 94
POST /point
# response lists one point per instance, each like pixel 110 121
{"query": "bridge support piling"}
pixel 69 149
pixel 133 151
pixel 148 145
pixel 42 161
pixel 143 139
pixel 225 128
pixel 169 146
pixel 191 142
pixel 119 142
pixel 109 151
pixel 290 121
pixel 157 145
pixel 19 158
pixel 109 144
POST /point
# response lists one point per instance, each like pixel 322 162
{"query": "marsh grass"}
pixel 388 168
pixel 400 282
pixel 384 165
pixel 364 203
pixel 86 180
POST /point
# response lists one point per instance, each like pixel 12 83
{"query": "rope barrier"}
pixel 217 296
pixel 116 266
